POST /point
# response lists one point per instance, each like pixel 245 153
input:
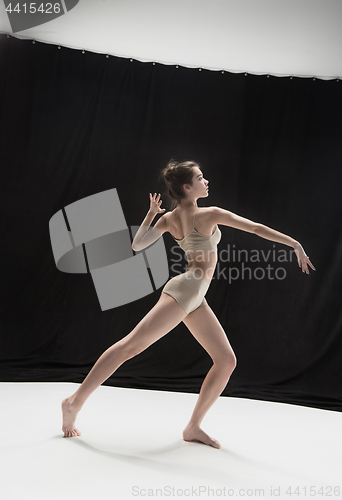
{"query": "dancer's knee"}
pixel 226 362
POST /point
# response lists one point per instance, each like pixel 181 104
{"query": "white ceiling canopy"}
pixel 276 37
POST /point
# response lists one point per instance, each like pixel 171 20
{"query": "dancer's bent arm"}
pixel 221 216
pixel 145 235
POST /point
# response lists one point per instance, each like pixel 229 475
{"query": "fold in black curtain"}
pixel 75 124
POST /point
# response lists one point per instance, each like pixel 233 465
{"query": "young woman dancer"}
pixel 182 298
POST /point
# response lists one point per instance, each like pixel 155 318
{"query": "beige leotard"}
pixel 189 288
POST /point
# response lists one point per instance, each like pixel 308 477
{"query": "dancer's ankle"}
pixel 193 425
pixel 75 402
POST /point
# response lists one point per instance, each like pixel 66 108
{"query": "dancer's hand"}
pixel 303 259
pixel 155 204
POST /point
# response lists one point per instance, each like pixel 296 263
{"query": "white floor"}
pixel 131 447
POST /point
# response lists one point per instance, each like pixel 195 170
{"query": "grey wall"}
pixel 292 37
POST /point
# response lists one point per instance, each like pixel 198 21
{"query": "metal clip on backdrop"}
pixel 119 276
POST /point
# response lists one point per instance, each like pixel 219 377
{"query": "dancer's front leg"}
pixel 213 385
pixel 207 330
pixel 162 318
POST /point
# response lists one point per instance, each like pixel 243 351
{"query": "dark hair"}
pixel 176 174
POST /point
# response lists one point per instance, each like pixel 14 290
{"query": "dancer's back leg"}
pixel 163 317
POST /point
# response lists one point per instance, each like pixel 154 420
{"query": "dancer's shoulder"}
pixel 227 218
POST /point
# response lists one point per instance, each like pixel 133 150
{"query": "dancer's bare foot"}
pixel 195 433
pixel 70 412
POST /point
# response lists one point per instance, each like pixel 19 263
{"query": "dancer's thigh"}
pixel 208 331
pixel 163 317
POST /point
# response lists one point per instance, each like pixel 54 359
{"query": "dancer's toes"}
pixel 71 432
pixel 215 443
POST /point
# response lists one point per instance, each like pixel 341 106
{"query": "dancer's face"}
pixel 199 188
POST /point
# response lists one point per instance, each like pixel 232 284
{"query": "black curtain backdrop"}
pixel 75 124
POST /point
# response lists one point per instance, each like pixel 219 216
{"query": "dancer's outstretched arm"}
pixel 221 216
